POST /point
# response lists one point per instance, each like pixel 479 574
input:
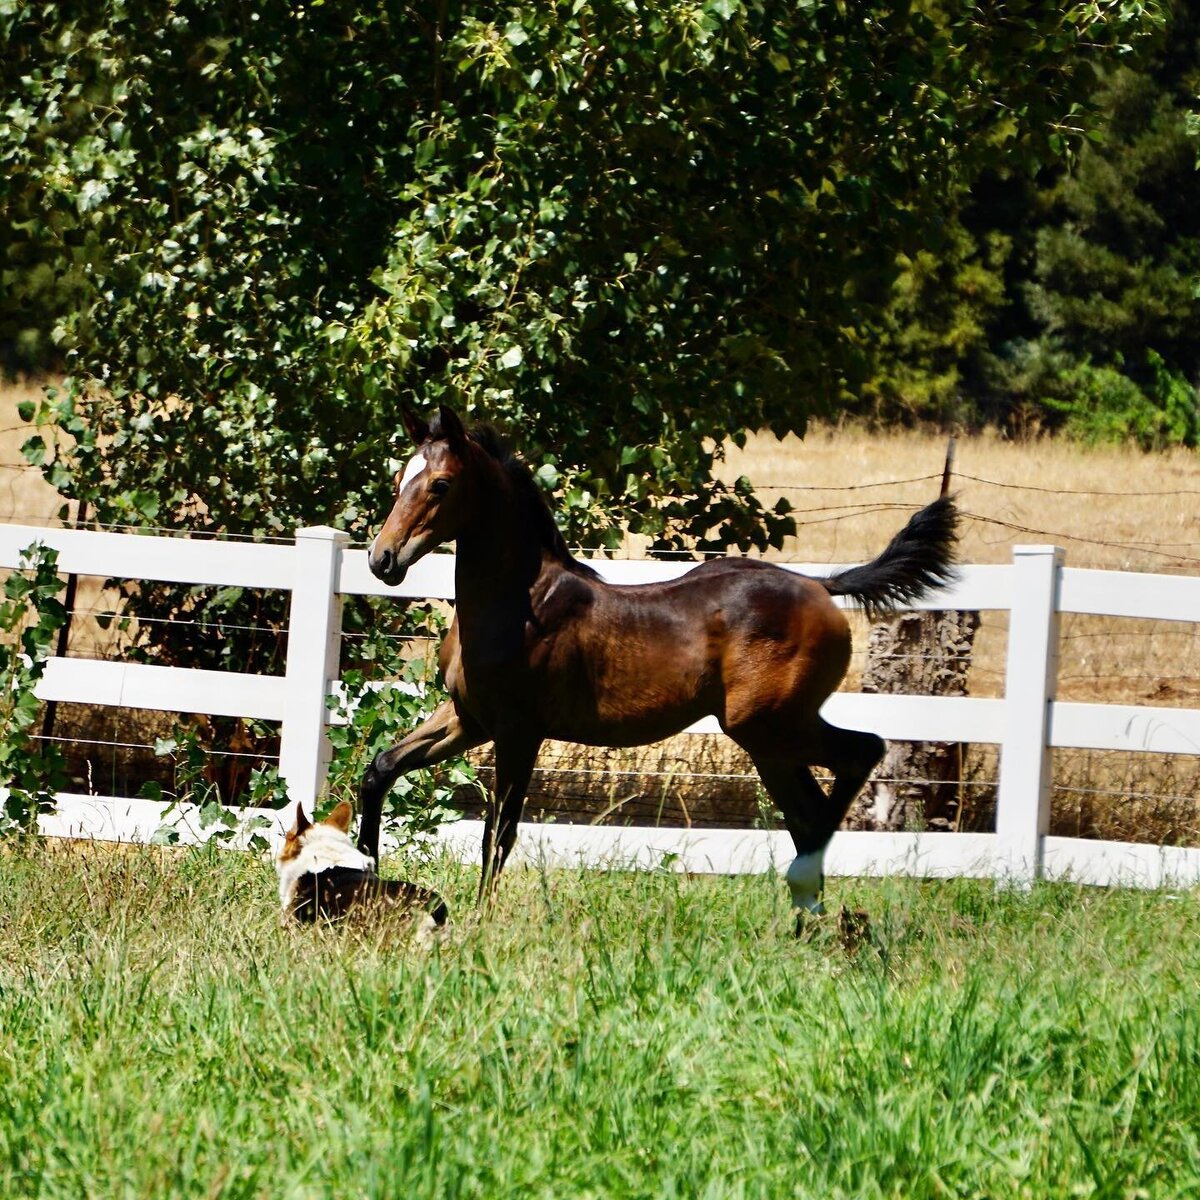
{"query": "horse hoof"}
pixel 809 922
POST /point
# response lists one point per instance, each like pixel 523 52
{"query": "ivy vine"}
pixel 31 614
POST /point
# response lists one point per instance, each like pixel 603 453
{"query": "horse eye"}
pixel 439 487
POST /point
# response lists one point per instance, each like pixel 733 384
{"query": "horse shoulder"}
pixel 450 658
pixel 562 598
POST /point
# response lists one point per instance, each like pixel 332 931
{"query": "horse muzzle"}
pixel 387 566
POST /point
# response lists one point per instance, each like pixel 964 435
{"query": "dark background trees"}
pixel 1068 299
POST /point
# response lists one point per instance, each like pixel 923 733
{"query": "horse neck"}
pixel 499 552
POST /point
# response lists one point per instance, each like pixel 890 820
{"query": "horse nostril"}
pixel 381 562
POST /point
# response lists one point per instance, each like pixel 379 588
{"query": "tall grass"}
pixel 596 1036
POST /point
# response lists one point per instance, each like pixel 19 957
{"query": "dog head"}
pixel 313 848
pixel 324 876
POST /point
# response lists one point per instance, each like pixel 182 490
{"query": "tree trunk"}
pixel 918 784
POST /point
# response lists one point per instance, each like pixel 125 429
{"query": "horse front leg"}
pixel 447 732
pixel 514 768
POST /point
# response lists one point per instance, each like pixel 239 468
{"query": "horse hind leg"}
pixel 851 755
pixel 807 813
pixel 811 815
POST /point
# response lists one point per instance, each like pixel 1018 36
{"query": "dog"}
pixel 324 876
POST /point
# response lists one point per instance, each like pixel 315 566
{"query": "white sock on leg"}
pixel 805 878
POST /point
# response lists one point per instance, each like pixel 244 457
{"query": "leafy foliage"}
pixel 935 333
pixel 1066 301
pixel 31 615
pixel 1099 331
pixel 384 692
pixel 194 786
pixel 1103 404
pixel 630 232
pixel 1118 255
pixel 387 694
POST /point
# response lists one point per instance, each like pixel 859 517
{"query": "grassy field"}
pixel 597 1036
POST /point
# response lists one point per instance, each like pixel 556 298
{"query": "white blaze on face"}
pixel 416 465
pixel 804 879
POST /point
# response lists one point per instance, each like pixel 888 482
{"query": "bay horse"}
pixel 541 647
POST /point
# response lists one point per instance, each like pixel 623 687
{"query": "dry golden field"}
pixel 851 490
pixel 1111 508
pixel 24 496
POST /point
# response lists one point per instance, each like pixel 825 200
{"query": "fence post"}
pixel 1031 675
pixel 313 647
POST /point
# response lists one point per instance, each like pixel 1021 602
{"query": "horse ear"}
pixel 417 429
pixel 450 427
pixel 302 821
pixel 340 817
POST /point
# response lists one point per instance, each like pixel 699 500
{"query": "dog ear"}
pixel 340 817
pixel 417 429
pixel 302 821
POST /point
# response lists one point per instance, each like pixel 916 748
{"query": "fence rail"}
pixel 318 569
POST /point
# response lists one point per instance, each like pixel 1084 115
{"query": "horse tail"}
pixel 919 559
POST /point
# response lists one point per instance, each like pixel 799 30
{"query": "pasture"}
pixel 610 1035
pixel 602 1035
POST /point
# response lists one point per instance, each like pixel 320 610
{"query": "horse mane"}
pixel 493 443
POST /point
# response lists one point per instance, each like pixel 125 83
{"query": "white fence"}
pixel 318 569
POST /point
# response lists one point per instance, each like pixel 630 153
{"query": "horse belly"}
pixel 641 695
pixel 638 730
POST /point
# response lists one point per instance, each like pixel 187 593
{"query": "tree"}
pixel 628 232
pixel 1108 302
pixel 933 336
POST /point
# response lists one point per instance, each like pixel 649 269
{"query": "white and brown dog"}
pixel 323 876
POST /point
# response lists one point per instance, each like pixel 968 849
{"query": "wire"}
pixel 218 625
pixel 836 513
pixel 1031 487
pixel 856 509
pixel 1108 635
pixel 1118 792
pixel 846 487
pixel 82 741
pixel 1144 547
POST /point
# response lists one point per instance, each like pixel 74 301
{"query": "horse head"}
pixel 430 496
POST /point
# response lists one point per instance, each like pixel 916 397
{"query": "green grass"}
pixel 598 1036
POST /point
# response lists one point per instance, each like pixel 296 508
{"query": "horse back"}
pixel 621 665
